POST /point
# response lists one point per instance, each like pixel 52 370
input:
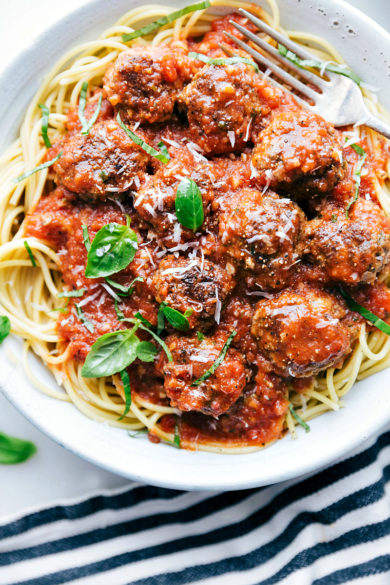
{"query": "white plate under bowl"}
pixel 367 407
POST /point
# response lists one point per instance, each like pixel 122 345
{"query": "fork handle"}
pixel 377 124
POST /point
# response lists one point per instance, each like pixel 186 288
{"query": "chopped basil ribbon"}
pixel 29 251
pixel 224 61
pixel 120 315
pixel 155 25
pixel 217 362
pixel 371 317
pixel 86 322
pixel 143 320
pixel 140 142
pixel 127 390
pixel 45 125
pixel 176 437
pixel 39 168
pixel 163 149
pixel 146 351
pixel 357 174
pixel 13 450
pixel 189 205
pixel 111 353
pixel 298 418
pixel 175 318
pixel 200 335
pixel 86 125
pixel 159 341
pixel 126 290
pixel 71 293
pixel 320 65
pixel 86 240
pixel 112 250
pixel 160 318
pixel 5 327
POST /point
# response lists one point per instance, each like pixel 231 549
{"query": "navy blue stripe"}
pixel 86 508
pixel 327 516
pixel 202 509
pixel 374 567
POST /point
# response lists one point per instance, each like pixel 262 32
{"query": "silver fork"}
pixel 338 99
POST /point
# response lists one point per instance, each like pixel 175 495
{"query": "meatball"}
pixel 224 105
pixel 197 284
pixel 302 331
pixel 144 82
pixel 191 359
pixel 354 249
pixel 262 232
pixel 299 152
pixel 104 162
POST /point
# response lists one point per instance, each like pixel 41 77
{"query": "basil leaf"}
pixel 140 142
pixel 86 322
pixel 159 340
pixel 176 438
pixel 120 314
pixel 224 61
pixel 71 293
pixel 13 450
pixel 29 251
pixel 143 320
pixel 39 168
pixel 176 319
pixel 357 175
pixel 5 327
pixel 146 351
pixel 111 353
pixel 217 362
pixel 189 205
pixel 127 390
pixel 86 125
pixel 298 418
pixel 112 250
pixel 160 318
pixel 200 335
pixel 86 240
pixel 314 64
pixel 45 125
pixel 163 149
pixel 126 290
pixel 354 306
pixel 155 25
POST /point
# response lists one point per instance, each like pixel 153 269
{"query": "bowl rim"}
pixel 349 443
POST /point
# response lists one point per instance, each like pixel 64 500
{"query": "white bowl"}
pixel 364 45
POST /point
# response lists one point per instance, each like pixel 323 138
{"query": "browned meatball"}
pixel 302 331
pixel 144 82
pixel 103 163
pixel 354 249
pixel 191 359
pixel 299 152
pixel 263 233
pixel 224 105
pixel 198 284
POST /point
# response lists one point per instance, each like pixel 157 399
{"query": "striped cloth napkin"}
pixel 328 528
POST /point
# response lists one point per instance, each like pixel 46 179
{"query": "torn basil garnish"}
pixel 86 125
pixel 366 313
pixel 224 61
pixel 189 205
pixel 45 125
pixel 298 418
pixel 38 168
pixel 217 362
pixel 112 250
pixel 162 156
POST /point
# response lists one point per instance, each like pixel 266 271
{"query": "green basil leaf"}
pixel 112 250
pixel 111 353
pixel 160 318
pixel 127 390
pixel 86 240
pixel 45 125
pixel 156 24
pixel 159 341
pixel 314 64
pixel 163 149
pixel 39 168
pixel 86 125
pixel 71 293
pixel 146 351
pixel 354 306
pixel 189 205
pixel 200 335
pixel 140 142
pixel 217 362
pixel 357 175
pixel 29 251
pixel 126 290
pixel 224 61
pixel 5 327
pixel 176 438
pixel 13 450
pixel 86 322
pixel 143 320
pixel 120 314
pixel 176 319
pixel 298 418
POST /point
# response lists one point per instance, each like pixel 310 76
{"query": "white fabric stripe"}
pixel 383 579
pixel 230 548
pixel 101 519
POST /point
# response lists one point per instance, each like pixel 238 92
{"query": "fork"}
pixel 338 99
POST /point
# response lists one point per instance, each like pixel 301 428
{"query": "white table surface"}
pixel 53 474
